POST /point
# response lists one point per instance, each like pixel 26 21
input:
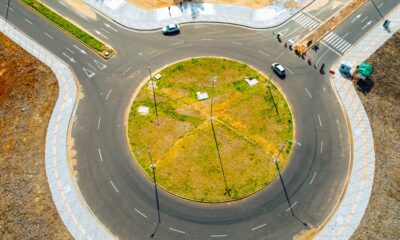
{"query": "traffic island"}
pixel 210 159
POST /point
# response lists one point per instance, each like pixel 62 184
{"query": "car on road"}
pixel 171 29
pixel 279 70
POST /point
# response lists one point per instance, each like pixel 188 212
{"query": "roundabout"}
pixel 250 122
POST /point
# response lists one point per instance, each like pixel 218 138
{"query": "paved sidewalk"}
pixel 351 210
pixel 70 205
pixel 133 17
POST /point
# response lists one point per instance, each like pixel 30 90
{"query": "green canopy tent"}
pixel 365 69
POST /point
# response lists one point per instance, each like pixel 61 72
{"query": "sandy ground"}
pixel 28 92
pixel 80 7
pixel 382 103
pixel 151 4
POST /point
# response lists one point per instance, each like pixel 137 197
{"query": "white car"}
pixel 171 28
pixel 278 69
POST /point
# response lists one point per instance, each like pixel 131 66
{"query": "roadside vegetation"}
pixel 248 130
pixel 69 27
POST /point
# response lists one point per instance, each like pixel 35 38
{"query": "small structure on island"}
pixel 157 76
pixel 143 110
pixel 202 95
pixel 251 81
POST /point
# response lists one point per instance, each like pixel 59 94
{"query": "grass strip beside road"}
pixel 69 27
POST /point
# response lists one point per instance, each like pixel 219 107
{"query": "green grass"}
pixel 69 27
pixel 249 131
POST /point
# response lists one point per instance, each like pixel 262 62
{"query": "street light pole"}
pixel 377 9
pixel 152 86
pixel 213 81
pixel 8 8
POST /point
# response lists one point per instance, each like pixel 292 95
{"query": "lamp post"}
pixel 153 167
pixel 152 86
pixel 377 9
pixel 8 8
pixel 213 80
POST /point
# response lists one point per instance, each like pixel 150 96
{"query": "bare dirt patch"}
pixel 152 4
pixel 28 92
pixel 382 103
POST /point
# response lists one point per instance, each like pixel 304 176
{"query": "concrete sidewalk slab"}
pixel 133 17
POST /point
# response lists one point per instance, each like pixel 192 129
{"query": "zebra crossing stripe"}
pixel 328 36
pixel 295 17
pixel 314 26
pixel 341 45
pixel 346 48
pixel 302 21
pixel 307 22
pixel 302 16
pixel 338 43
pixel 342 49
pixel 333 39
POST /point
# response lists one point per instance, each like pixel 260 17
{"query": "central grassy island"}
pixel 250 127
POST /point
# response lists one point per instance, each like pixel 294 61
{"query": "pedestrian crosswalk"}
pixel 337 42
pixel 306 21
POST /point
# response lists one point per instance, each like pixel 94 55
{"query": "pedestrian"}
pixel 285 45
pixel 169 10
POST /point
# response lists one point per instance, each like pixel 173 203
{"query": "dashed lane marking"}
pixel 266 54
pixel 88 73
pixel 90 65
pixel 219 235
pixel 258 227
pixel 126 70
pixel 112 184
pixel 309 94
pixel 177 43
pixel 69 50
pixel 104 30
pixel 312 179
pixel 207 39
pixel 48 35
pixel 289 70
pixel 98 123
pixel 237 43
pixel 101 157
pixel 31 23
pixel 319 119
pixel 176 230
pixel 291 207
pixel 142 214
pixel 322 145
pixel 108 94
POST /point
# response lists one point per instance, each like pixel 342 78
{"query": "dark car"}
pixel 171 29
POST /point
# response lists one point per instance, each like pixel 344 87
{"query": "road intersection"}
pixel 108 178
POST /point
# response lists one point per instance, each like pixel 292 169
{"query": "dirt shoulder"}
pixel 28 92
pixel 152 4
pixel 382 103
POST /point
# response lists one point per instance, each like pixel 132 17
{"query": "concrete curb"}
pixel 136 18
pixel 73 210
pixel 349 214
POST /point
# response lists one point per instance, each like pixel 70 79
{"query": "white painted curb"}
pixel 70 205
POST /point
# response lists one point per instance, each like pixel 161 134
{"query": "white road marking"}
pixel 176 230
pixel 294 204
pixel 127 70
pixel 152 52
pixel 48 35
pixel 69 58
pixel 237 43
pixel 319 119
pixel 101 157
pixel 31 23
pixel 280 55
pixel 100 65
pixel 10 8
pixel 108 94
pixel 177 43
pixel 364 19
pixel 333 50
pixel 101 34
pixel 380 5
pixel 283 32
pixel 345 35
pixel 113 185
pixel 104 30
pixel 312 16
pixel 322 145
pixel 264 53
pixel 289 70
pixel 312 179
pixel 366 25
pixel 258 227
pixel 309 94
pixel 91 66
pixel 218 236
pixel 110 27
pixel 98 123
pixel 357 17
pixel 323 54
pixel 294 39
pixel 89 73
pixel 80 50
pixel 140 213
pixel 69 50
pixel 207 39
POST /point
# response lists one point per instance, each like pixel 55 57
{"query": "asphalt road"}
pixel 111 182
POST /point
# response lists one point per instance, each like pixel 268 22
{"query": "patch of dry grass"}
pixel 248 130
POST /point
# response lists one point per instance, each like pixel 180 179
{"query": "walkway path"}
pixel 351 210
pixel 133 17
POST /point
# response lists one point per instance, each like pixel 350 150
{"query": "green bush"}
pixel 67 26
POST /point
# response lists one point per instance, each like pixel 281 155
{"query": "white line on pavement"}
pixel 280 55
pixel 237 43
pixel 98 123
pixel 264 53
pixel 113 185
pixel 105 30
pixel 207 39
pixel 309 94
pixel 140 213
pixel 364 19
pixel 312 179
pixel 176 230
pixel 80 50
pixel 108 94
pixel 312 16
pixel 323 54
pixel 127 70
pixel 91 66
pixel 333 50
pixel 9 8
pixel 69 50
pixel 319 119
pixel 177 43
pixel 31 23
pixel 101 157
pixel 294 204
pixel 48 35
pixel 380 5
pixel 258 227
pixel 289 70
pixel 322 145
pixel 218 236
